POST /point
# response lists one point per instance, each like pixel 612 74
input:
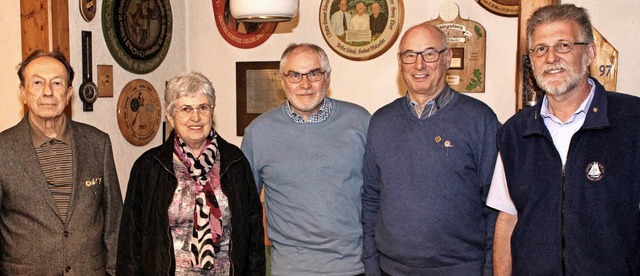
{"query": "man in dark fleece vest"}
pixel 428 164
pixel 567 180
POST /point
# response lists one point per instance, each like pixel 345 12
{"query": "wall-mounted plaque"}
pixel 139 112
pixel 605 67
pixel 509 8
pixel 137 33
pixel 258 90
pixel 467 40
pixel 361 30
pixel 240 34
pixel 88 9
pixel 105 80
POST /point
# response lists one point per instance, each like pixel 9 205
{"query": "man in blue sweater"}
pixel 428 164
pixel 307 154
pixel 567 183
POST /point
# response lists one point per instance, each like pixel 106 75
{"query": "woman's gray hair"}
pixel 555 13
pixel 324 59
pixel 188 85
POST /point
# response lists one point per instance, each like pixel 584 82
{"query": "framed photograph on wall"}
pixel 361 29
pixel 258 89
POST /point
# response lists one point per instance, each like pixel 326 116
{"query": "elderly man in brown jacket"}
pixel 60 201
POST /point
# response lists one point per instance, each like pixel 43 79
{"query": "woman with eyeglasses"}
pixel 192 207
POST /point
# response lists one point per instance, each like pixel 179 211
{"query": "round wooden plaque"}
pixel 137 33
pixel 139 112
pixel 239 34
pixel 510 8
pixel 357 42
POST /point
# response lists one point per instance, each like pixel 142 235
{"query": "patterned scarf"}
pixel 207 223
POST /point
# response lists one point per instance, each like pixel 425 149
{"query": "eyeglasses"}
pixel 429 55
pixel 313 75
pixel 562 47
pixel 187 110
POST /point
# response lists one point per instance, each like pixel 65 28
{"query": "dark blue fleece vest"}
pixel 582 219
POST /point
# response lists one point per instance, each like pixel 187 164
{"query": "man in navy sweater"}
pixel 428 164
pixel 567 183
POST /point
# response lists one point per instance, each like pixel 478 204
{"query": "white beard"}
pixel 558 87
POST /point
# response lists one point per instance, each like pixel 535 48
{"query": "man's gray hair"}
pixel 324 59
pixel 554 13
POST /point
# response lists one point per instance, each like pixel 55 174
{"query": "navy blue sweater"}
pixel 426 182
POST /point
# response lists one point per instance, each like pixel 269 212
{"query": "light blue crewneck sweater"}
pixel 312 176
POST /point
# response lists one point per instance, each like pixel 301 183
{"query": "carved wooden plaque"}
pixel 105 81
pixel 467 39
pixel 605 67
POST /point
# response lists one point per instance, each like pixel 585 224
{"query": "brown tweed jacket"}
pixel 33 238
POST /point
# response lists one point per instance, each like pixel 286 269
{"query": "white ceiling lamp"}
pixel 264 10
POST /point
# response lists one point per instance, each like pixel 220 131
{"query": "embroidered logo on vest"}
pixel 594 171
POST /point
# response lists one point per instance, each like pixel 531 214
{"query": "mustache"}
pixel 551 67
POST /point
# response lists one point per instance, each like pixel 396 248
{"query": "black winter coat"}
pixel 145 245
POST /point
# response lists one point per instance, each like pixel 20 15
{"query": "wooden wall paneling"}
pixel 45 25
pixel 60 27
pixel 34 24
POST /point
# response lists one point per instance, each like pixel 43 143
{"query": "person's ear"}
pixel 69 93
pixel 170 118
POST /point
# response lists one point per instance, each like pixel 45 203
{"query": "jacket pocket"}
pixel 98 261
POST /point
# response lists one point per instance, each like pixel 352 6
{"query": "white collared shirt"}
pixel 561 134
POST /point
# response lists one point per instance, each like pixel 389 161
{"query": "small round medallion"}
pixel 88 9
